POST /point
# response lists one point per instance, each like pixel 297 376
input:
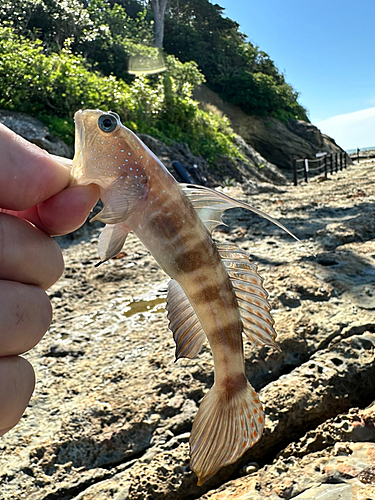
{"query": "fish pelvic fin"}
pixel 111 240
pixel 210 206
pixel 228 422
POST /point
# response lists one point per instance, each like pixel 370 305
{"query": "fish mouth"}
pixel 78 147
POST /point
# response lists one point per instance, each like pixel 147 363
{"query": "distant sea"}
pixel 351 151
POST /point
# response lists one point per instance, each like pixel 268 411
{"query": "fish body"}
pixel 215 292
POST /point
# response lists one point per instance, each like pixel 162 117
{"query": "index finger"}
pixel 28 175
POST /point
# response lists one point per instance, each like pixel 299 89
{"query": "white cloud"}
pixel 352 130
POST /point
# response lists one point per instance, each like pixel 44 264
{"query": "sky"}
pixel 326 49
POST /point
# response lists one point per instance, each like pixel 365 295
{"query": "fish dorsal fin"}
pixel 252 298
pixel 183 322
pixel 210 206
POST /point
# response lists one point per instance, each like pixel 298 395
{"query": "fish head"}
pixel 110 155
pixel 104 148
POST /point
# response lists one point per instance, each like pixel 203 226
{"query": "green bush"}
pixel 59 84
pixel 53 86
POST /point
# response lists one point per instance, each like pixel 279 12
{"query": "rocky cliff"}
pixel 280 143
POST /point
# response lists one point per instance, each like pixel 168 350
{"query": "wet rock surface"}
pixel 111 414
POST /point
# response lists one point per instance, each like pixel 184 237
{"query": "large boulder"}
pixel 280 143
pixel 35 131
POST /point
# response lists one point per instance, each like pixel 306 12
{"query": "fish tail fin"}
pixel 229 421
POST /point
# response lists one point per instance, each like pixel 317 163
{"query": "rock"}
pixel 280 143
pixel 344 472
pixel 34 131
pixel 253 168
pixel 356 426
pixel 262 169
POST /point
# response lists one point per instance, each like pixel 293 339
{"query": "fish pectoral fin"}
pixel 210 206
pixel 121 200
pixel 227 424
pixel 251 296
pixel 111 240
pixel 183 322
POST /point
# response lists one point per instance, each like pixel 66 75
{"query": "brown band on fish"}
pixel 190 260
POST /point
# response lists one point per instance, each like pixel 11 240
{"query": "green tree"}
pixel 196 30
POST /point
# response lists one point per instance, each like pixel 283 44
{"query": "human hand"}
pixel 35 203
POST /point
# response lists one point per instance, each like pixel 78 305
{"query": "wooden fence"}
pixel 324 164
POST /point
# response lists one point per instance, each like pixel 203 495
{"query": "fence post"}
pixel 331 165
pixel 341 161
pixel 358 150
pixel 337 163
pixel 306 169
pixel 295 180
pixel 345 160
pixel 325 160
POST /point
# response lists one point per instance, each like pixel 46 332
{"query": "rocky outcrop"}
pixel 251 169
pixel 344 472
pixel 280 143
pixel 34 131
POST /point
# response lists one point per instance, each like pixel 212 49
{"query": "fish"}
pixel 215 291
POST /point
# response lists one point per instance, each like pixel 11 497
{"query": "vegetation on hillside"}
pixel 57 56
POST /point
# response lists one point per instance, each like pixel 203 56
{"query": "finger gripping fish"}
pixel 215 291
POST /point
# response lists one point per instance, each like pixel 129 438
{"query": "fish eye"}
pixel 107 123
